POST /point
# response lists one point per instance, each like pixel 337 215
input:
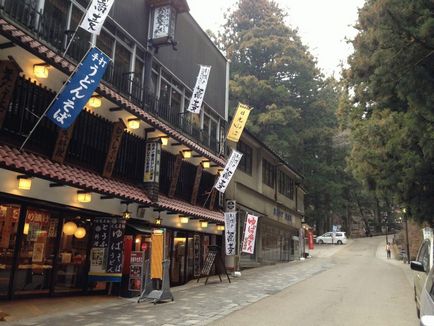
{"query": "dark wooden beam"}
pixel 196 184
pixel 175 176
pixel 55 185
pixel 61 148
pixel 6 45
pixel 115 143
pixel 106 197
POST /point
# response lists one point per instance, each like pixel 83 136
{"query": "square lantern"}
pixel 163 20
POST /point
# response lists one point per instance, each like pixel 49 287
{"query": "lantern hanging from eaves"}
pixel 163 14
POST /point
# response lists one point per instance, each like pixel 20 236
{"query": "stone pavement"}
pixel 195 304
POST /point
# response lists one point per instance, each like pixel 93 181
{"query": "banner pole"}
pixel 51 103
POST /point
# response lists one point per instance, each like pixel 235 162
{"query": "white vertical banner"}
pixel 229 170
pixel 250 234
pixel 230 232
pixel 96 15
pixel 199 89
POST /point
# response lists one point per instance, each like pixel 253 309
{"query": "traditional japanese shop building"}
pixel 75 202
pixel 266 186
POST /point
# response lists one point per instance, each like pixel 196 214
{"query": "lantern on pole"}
pixel 163 15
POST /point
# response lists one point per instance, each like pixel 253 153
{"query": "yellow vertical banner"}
pixel 157 256
pixel 238 122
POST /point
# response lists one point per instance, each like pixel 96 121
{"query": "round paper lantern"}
pixel 69 228
pixel 80 233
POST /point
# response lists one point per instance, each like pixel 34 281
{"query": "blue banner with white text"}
pixel 78 89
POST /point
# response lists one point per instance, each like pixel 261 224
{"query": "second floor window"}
pixel 245 164
pixel 267 173
pixel 286 185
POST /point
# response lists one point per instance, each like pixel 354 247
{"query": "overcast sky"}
pixel 323 24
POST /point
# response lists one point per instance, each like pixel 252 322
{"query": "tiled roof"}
pixel 35 165
pixel 67 67
pixel 188 209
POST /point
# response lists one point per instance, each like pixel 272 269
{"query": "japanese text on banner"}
pixel 250 234
pixel 78 89
pixel 96 15
pixel 199 89
pixel 238 123
pixel 230 232
pixel 229 170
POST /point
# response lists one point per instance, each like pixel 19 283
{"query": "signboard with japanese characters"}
pixel 114 256
pixel 229 170
pixel 196 255
pixel 164 23
pixel 238 123
pixel 230 232
pixel 96 15
pixel 152 162
pixel 137 260
pixel 250 234
pixel 199 90
pixel 9 72
pixel 78 89
pixel 107 246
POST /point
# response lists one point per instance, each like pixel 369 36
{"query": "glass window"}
pixel 71 271
pixel 9 215
pixel 267 173
pixel 286 185
pixel 246 160
pixel 36 256
pixel 105 42
pixel 81 42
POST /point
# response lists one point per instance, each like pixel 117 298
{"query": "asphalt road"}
pixel 362 288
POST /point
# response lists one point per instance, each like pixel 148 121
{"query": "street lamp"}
pixel 404 210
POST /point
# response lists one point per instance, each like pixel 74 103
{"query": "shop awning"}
pixel 35 165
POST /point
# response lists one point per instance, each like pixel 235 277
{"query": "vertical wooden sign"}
pixel 9 71
pixel 176 171
pixel 196 184
pixel 60 149
pixel 115 143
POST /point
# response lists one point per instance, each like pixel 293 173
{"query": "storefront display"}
pixel 44 251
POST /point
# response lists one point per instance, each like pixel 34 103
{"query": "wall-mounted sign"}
pixel 152 162
pixel 163 26
pixel 9 72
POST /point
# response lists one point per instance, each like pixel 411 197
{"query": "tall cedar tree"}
pixel 391 113
pixel 294 107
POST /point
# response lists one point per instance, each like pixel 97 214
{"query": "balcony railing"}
pixel 51 31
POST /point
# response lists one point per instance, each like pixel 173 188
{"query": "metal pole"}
pixel 406 235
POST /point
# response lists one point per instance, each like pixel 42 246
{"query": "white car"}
pixel 426 299
pixel 422 266
pixel 328 237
